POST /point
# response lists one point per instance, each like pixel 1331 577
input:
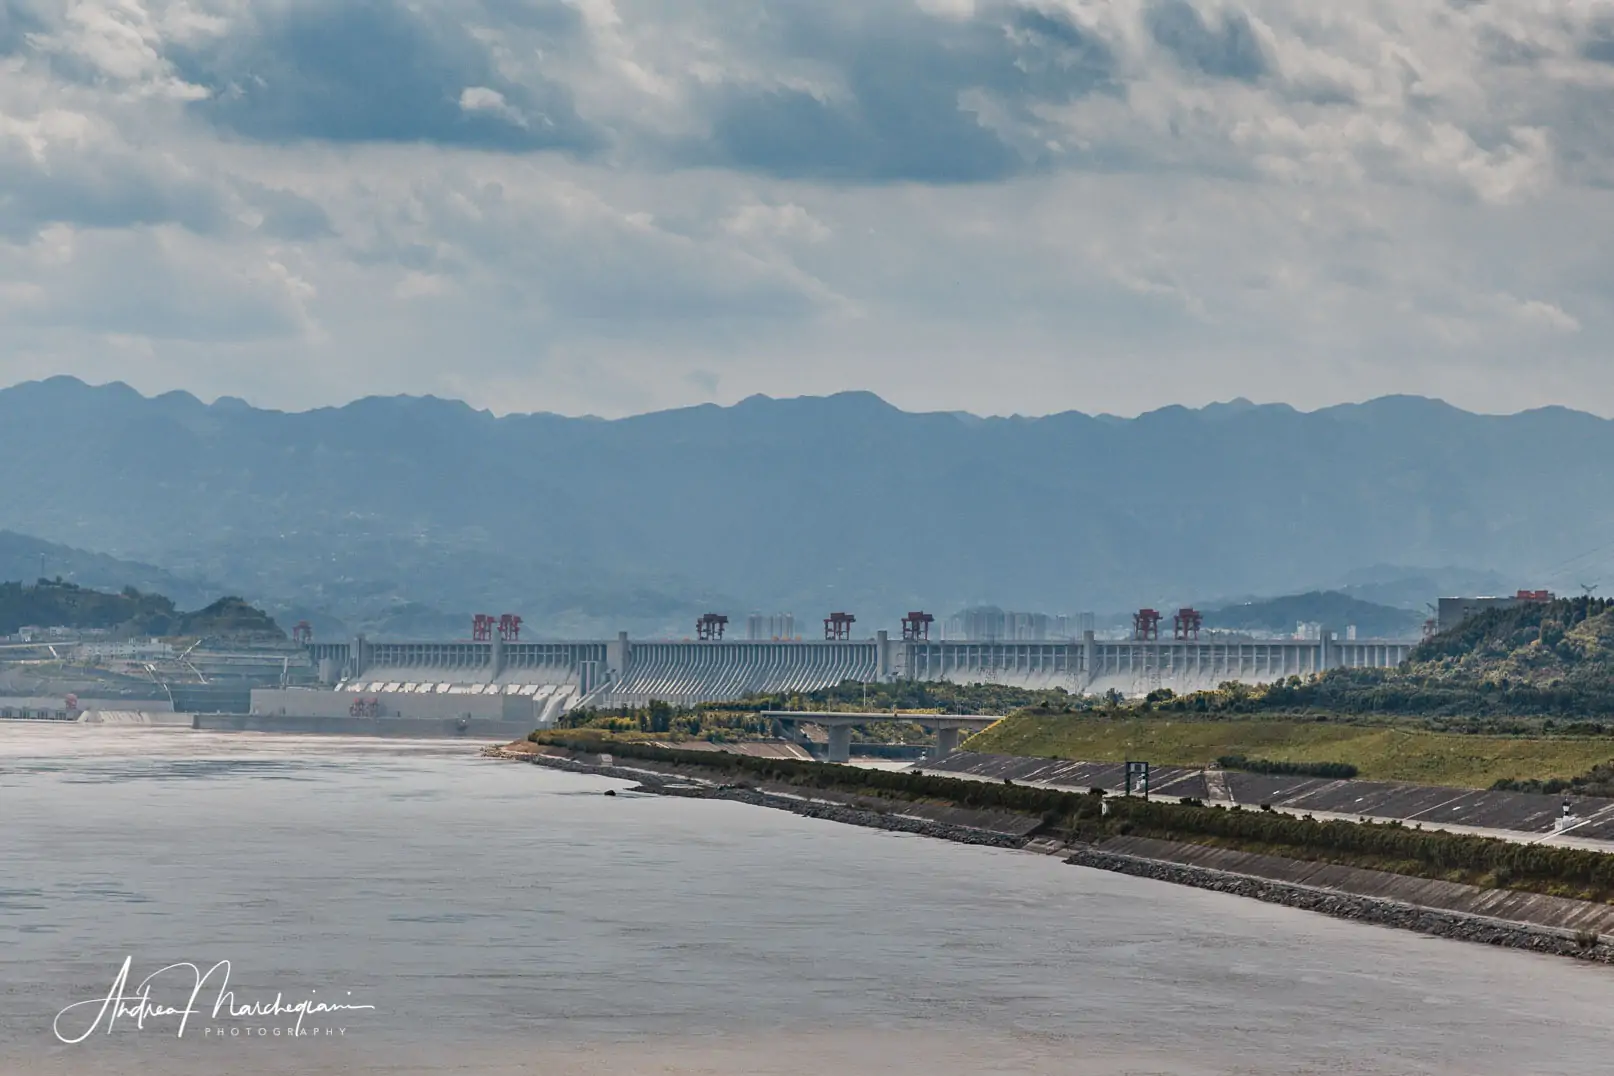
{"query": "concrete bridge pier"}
pixel 840 743
pixel 946 741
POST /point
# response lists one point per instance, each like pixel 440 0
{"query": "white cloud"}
pixel 616 204
pixel 483 99
pixel 789 221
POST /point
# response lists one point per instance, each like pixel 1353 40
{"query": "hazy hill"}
pixel 1333 610
pixel 229 618
pixel 805 505
pixel 59 604
pixel 24 559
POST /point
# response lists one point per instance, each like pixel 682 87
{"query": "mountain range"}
pixel 404 514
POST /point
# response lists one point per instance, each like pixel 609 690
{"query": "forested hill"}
pixel 1533 659
pixel 57 604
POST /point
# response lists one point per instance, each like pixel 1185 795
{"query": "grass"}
pixel 1379 752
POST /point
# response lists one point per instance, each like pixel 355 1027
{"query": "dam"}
pixel 500 679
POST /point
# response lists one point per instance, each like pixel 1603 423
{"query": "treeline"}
pixel 738 720
pixel 1336 770
pixel 666 721
pixel 925 696
pixel 1402 693
pixel 1092 816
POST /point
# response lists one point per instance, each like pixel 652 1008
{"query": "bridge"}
pixel 840 725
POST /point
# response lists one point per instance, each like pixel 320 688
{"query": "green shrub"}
pixel 1335 770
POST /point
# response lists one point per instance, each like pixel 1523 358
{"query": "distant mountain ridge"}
pixel 401 506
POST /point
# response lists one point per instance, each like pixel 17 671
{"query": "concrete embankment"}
pixel 1536 922
pixel 1518 920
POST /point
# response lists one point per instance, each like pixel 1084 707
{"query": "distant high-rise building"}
pixel 759 628
pixel 990 624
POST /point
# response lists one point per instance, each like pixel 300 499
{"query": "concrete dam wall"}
pixel 558 676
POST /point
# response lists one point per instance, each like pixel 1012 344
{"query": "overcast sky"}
pixel 611 206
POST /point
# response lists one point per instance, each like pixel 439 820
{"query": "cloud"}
pixel 63 165
pixel 380 71
pixel 161 283
pixel 901 94
pixel 610 205
pixel 1229 49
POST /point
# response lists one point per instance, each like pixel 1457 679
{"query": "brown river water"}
pixel 501 918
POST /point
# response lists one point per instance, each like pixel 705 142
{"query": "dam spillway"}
pixel 559 676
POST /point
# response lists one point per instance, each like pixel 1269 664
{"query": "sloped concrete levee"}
pixel 1520 813
pixel 1535 909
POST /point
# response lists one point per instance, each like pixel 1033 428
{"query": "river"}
pixel 502 918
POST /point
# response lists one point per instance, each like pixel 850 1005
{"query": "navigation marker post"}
pixel 1137 776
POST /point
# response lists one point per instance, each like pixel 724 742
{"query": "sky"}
pixel 1001 206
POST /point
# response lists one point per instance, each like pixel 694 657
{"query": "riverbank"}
pixel 1544 923
pixel 961 825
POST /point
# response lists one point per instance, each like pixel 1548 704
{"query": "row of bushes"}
pixel 1336 770
pixel 1598 781
pixel 1507 861
pixel 1438 852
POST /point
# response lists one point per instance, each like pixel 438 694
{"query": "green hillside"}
pixel 1534 658
pixel 1548 659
